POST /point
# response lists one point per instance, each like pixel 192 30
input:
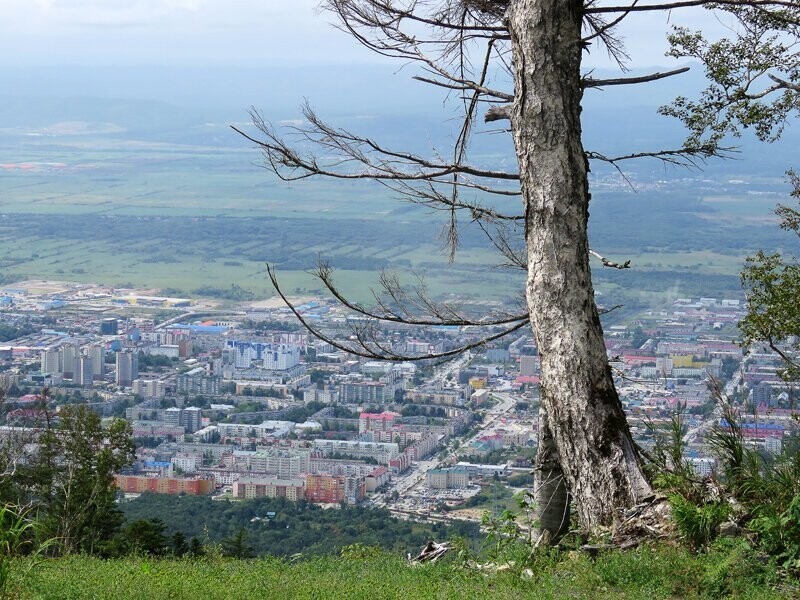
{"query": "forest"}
pixel 295 527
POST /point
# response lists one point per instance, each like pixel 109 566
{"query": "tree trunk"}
pixel 582 408
pixel 550 496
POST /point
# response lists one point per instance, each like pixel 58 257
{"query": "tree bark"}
pixel 551 498
pixel 583 412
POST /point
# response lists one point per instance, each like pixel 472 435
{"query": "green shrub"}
pixel 698 524
pixel 779 534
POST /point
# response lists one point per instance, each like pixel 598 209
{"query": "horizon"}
pixel 186 33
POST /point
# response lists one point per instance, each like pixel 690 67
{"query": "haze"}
pixel 238 32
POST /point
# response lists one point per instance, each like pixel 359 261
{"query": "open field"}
pixel 119 210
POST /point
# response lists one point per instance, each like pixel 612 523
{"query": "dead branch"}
pixel 610 263
pixel 432 552
pixel 374 160
pixel 442 315
pixel 498 113
pixel 589 82
pixel 690 157
pixel 592 8
pixel 367 347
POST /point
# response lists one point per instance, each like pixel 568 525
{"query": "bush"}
pixel 698 525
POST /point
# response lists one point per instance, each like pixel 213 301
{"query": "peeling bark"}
pixel 583 412
pixel 550 489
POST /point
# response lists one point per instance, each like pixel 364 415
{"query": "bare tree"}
pixel 585 448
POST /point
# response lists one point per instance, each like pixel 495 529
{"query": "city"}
pixel 243 402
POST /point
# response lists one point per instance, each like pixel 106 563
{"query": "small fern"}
pixel 698 524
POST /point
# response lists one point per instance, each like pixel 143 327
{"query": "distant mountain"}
pixel 195 105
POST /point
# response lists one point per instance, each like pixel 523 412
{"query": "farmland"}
pixel 121 208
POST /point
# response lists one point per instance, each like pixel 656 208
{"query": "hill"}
pixel 647 573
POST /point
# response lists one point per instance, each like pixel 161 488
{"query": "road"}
pixel 416 475
pixel 730 387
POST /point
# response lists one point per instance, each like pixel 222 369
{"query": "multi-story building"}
pixel 376 422
pixel 528 365
pixel 149 388
pixel 284 463
pixel 157 429
pixel 189 418
pixel 704 467
pixel 451 396
pixel 324 488
pixel 198 382
pixel 192 419
pixel 187 462
pixel 51 361
pixel 139 484
pixel 367 392
pixel 377 479
pixel 269 487
pixel 762 394
pixel 448 478
pixel 382 452
pixel 98 354
pixel 423 347
pixel 172 416
pixel 270 356
pixel 109 327
pixel 69 354
pixel 127 368
pixel 264 430
pixel 84 373
pixel 335 488
pixel 335 466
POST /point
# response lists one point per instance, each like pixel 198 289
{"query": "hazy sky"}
pixel 246 32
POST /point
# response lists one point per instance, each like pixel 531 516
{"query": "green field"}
pixel 120 211
pixel 640 574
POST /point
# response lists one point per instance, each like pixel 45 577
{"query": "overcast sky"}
pixel 244 32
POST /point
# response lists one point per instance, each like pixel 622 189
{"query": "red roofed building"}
pixel 376 421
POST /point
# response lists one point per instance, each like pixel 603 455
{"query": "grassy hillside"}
pixel 647 574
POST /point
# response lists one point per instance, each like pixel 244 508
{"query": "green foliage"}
pixel 234 292
pixel 698 524
pixel 153 361
pixel 735 67
pixel 643 574
pixel 521 480
pixel 295 527
pixel 236 546
pixel 300 414
pixel 264 326
pixel 764 490
pixel 505 541
pixel 638 337
pixel 178 545
pixel 359 551
pixel 70 479
pixel 145 537
pixel 413 410
pixel 196 548
pixel 779 534
pixel 668 466
pixel 497 494
pixel 773 284
pixel 12 332
pixel 17 537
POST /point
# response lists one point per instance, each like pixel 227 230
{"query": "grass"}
pixel 131 179
pixel 649 574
